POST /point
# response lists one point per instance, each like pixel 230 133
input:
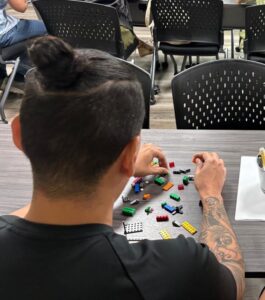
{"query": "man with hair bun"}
pixel 79 125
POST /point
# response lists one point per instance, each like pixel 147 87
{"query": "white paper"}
pixel 250 203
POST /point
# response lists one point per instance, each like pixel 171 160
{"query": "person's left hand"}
pixel 145 157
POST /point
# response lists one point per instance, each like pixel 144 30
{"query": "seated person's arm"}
pixel 18 5
pixel 144 159
pixel 143 167
pixel 216 231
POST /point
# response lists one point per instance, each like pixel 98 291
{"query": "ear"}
pixel 16 132
pixel 129 156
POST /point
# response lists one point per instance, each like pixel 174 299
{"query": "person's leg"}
pixel 23 31
pixel 27 29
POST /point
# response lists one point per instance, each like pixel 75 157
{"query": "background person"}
pixel 13 31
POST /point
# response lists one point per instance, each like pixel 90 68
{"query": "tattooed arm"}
pixel 216 230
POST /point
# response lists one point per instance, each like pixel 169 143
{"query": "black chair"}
pixel 145 81
pixel 82 24
pixel 225 94
pixel 255 33
pixel 197 21
pixel 9 56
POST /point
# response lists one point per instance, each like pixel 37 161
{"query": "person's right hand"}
pixel 210 174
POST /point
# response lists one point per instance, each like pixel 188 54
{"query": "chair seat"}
pixel 12 52
pixel 189 49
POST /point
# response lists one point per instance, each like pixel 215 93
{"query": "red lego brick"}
pixel 162 218
pixel 180 187
pixel 171 164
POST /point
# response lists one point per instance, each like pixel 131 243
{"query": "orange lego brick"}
pixel 146 196
pixel 168 186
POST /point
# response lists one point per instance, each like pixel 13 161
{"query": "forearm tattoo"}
pixel 217 233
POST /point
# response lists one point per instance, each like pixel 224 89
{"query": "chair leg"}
pixel 165 63
pixel 7 89
pixel 190 61
pixel 198 60
pixel 152 72
pixel 184 63
pixel 217 56
pixel 175 64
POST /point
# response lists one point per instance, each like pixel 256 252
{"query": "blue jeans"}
pixel 24 30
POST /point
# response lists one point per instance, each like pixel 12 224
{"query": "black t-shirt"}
pixel 39 261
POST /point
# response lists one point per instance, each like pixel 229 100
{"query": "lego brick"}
pixel 171 164
pixel 146 196
pixel 185 180
pixel 168 186
pixel 163 204
pixel 135 239
pixel 176 172
pixel 128 211
pixel 133 227
pixel 191 177
pixel 160 180
pixel 165 235
pixel 182 171
pixel 179 209
pixel 187 171
pixel 191 229
pixel 125 199
pixel 174 196
pixel 163 218
pixel 170 209
pixel 176 224
pixel 134 202
pixel 137 188
pixel 149 210
pixel 155 162
pixel 180 187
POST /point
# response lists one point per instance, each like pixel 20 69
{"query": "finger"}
pixel 160 155
pixel 215 155
pixel 158 171
pixel 202 156
pixel 199 165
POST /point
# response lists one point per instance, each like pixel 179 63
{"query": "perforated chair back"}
pixel 225 94
pixel 192 20
pixel 255 29
pixel 82 24
pixel 145 81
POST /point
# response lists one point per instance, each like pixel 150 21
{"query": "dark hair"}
pixel 80 109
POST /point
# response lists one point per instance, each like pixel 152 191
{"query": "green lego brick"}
pixel 148 209
pixel 160 180
pixel 128 211
pixel 185 180
pixel 174 197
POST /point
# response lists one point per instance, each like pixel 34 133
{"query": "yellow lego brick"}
pixel 165 235
pixel 186 225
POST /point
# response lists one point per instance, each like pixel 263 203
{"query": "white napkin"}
pixel 250 203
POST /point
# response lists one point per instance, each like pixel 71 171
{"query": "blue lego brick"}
pixel 169 208
pixel 137 188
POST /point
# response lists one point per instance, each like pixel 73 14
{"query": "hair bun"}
pixel 55 61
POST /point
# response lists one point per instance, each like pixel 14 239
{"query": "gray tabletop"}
pixel 179 146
